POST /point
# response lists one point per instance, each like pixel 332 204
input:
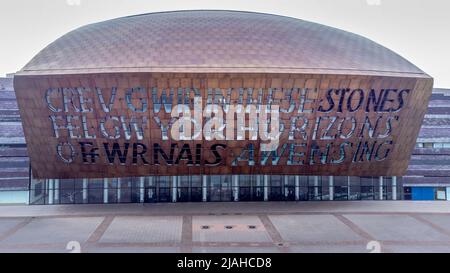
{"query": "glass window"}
pixel 184 188
pixel 325 187
pixel 341 187
pixel 182 194
pixel 164 181
pixel 135 182
pixel 367 188
pixel 259 180
pixel 303 193
pixel 341 193
pixel 276 180
pixel 315 187
pixel 196 194
pixel 112 195
pixel 355 188
pixel 441 193
pixel 67 196
pixel 196 181
pixel 303 181
pixel 355 181
pixel 245 180
pixel 95 196
pixel 214 188
pixel 66 184
pixel 135 195
pixel 113 183
pixel 95 191
pixel 95 183
pixel 314 180
pixel 367 193
pixel 387 187
pixel 183 181
pixel 275 187
pixel 125 195
pixel 126 182
pixel 124 190
pixel 275 193
pixel 340 181
pixel 290 180
pixel 150 181
pixel 355 191
pixel 214 180
pixel 219 188
pixel 226 194
pixel 315 193
pixel 407 193
pixel 367 181
pixel 164 194
pixel 377 190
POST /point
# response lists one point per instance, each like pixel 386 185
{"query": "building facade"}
pixel 196 106
pixel 428 168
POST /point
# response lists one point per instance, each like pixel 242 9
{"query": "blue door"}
pixel 422 193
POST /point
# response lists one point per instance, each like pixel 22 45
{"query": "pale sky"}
pixel 419 30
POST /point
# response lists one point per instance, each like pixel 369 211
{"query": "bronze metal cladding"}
pixel 97 101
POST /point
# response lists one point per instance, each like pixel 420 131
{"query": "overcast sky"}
pixel 419 30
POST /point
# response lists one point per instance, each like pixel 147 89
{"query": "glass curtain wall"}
pixel 213 188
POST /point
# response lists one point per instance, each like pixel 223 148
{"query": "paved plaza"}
pixel 402 226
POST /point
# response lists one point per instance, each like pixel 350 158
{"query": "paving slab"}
pixel 439 220
pixel 313 228
pixel 235 250
pixel 143 229
pixel 127 249
pixel 54 230
pixel 418 249
pixel 226 228
pixel 7 224
pixel 60 249
pixel 396 228
pixel 361 248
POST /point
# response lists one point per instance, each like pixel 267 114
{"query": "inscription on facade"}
pixel 131 126
pixel 146 123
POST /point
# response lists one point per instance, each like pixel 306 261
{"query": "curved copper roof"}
pixel 215 41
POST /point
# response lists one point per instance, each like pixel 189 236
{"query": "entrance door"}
pixel 275 194
pixel 258 193
pixel 164 195
pixel 183 194
pixel 245 194
pixel 150 195
pixel 219 188
pixel 196 194
pixel 289 193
